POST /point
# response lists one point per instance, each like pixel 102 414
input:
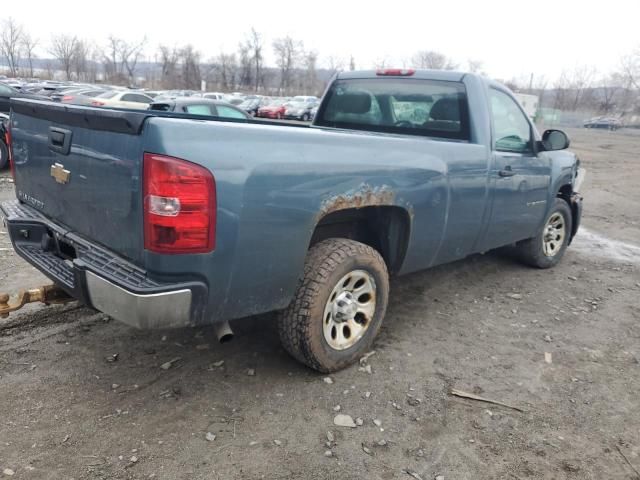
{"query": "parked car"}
pixel 273 109
pixel 211 95
pixel 71 95
pixel 608 123
pixel 122 99
pixel 299 110
pixel 161 221
pixel 252 104
pixel 200 106
pixel 233 99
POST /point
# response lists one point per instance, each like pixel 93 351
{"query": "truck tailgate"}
pixel 81 167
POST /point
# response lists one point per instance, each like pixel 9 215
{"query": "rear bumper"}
pixel 99 278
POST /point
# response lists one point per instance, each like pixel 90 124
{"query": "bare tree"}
pixel 169 59
pixel 11 44
pixel 352 63
pixel 287 51
pixel 433 60
pixel 580 81
pixel 311 75
pixel 110 59
pixel 335 64
pixel 630 69
pixel 608 89
pixel 254 44
pixel 63 48
pixel 29 44
pixel 245 65
pixel 190 60
pixel 130 54
pixel 475 66
pixel 80 59
pixel 228 67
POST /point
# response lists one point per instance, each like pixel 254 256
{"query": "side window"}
pixel 132 97
pixel 512 131
pixel 198 110
pixel 227 112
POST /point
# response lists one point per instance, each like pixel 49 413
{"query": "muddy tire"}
pixel 338 307
pixel 546 249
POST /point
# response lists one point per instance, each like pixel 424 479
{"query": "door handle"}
pixel 59 140
pixel 507 172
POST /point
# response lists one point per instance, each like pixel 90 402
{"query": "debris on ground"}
pixel 328 380
pixel 112 358
pixel 547 357
pixel 342 420
pixel 412 474
pixel 251 372
pixel 471 396
pixel 169 364
pixel 210 437
pixel 377 423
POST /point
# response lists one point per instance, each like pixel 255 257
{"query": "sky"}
pixel 512 38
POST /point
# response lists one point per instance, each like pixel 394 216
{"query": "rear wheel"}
pixel 547 248
pixel 305 117
pixel 4 155
pixel 339 305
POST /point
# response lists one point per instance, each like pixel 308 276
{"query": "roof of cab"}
pixel 447 75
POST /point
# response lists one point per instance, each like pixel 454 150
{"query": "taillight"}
pixel 97 103
pixel 67 98
pixel 7 139
pixel 396 72
pixel 179 206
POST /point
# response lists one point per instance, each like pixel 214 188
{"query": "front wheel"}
pixel 339 306
pixel 546 249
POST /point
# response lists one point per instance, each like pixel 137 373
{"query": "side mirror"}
pixel 555 140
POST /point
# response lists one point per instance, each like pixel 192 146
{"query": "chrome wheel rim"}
pixel 349 310
pixel 553 235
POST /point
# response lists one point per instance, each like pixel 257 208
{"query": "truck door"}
pixel 520 177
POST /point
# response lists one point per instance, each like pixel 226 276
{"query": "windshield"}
pixel 398 105
pixel 297 104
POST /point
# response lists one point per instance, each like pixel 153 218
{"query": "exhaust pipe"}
pixel 223 331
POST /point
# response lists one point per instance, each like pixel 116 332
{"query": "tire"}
pixel 4 155
pixel 305 117
pixel 310 330
pixel 538 252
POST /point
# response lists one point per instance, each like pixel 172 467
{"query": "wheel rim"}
pixel 349 310
pixel 553 235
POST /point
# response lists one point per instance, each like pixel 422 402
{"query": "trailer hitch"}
pixel 47 294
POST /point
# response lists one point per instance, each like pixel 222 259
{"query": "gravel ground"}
pixel 84 397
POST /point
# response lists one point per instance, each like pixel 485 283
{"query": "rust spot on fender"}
pixel 363 196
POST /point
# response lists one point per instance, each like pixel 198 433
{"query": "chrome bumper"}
pixel 156 310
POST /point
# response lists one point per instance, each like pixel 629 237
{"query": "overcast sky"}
pixel 513 38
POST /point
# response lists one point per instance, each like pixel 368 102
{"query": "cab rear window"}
pixel 431 108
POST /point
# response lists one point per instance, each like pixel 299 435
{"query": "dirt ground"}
pixel 84 397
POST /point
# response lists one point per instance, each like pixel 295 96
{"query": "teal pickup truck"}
pixel 168 220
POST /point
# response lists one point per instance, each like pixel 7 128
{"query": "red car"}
pixel 274 109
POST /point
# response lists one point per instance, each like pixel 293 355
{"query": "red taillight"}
pixel 179 206
pixel 67 98
pixel 97 103
pixel 7 139
pixel 396 72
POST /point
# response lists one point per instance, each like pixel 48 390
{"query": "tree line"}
pixel 297 70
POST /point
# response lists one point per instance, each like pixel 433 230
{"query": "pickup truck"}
pixel 169 220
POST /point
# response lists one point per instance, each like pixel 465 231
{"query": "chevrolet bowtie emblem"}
pixel 59 173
